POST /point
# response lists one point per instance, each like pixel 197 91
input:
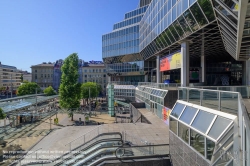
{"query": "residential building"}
pixel 27 77
pixel 42 74
pixel 58 73
pixel 95 71
pixel 10 77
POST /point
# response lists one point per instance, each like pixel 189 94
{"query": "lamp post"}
pixel 11 85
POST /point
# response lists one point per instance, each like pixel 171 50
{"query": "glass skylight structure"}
pixel 205 131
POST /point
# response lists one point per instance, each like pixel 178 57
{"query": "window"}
pixel 197 141
pixel 202 121
pixel 218 127
pixel 188 114
pixel 100 70
pixel 183 132
pixel 44 75
pixel 35 71
pixel 85 71
pixel 173 125
pixel 177 110
pixel 104 75
pixel 41 75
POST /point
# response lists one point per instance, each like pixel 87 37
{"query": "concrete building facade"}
pixel 10 77
pixel 42 74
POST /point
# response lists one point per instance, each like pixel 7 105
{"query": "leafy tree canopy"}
pixel 2 114
pixel 49 91
pixel 70 89
pixel 28 89
pixel 95 89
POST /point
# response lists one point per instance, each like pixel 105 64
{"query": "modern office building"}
pixel 197 42
pixel 185 41
pixel 10 77
pixel 42 74
pixel 120 49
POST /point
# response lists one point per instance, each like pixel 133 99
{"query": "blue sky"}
pixel 36 31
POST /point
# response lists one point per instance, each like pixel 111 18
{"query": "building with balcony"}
pixel 10 77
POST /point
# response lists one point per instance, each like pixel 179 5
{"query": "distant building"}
pixel 95 71
pixel 10 77
pixel 58 73
pixel 42 74
pixel 27 77
pixel 49 74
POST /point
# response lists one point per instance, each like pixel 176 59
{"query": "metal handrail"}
pixel 198 89
pixel 151 148
pixel 81 136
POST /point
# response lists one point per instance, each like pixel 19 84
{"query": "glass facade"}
pixel 167 21
pixel 201 129
pixel 126 67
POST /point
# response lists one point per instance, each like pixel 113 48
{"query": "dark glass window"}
pixel 191 21
pixel 197 141
pixel 210 148
pixel 207 9
pixel 199 16
pixel 183 132
pixel 173 125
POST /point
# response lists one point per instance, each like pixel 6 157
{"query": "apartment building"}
pixel 10 77
pixel 42 74
pixel 95 71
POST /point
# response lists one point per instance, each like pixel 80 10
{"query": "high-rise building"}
pixel 195 43
pixel 120 49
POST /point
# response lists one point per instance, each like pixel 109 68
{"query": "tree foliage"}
pixel 21 77
pixel 94 88
pixel 70 89
pixel 49 91
pixel 2 114
pixel 28 88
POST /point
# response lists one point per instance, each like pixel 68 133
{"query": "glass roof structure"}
pixel 203 129
pixel 210 124
pixel 23 103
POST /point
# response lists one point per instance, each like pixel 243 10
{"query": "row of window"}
pixel 123 51
pixel 163 8
pixel 128 22
pixel 44 70
pixel 121 45
pixel 133 29
pixel 94 70
pixel 136 12
pixel 191 20
pixel 125 67
pixel 97 76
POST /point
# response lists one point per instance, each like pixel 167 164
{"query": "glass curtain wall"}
pixel 168 21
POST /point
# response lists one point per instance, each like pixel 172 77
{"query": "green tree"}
pixel 2 114
pixel 28 89
pixel 49 91
pixel 90 87
pixel 70 89
pixel 21 77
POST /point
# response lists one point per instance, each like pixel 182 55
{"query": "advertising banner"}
pixel 165 115
pixel 172 61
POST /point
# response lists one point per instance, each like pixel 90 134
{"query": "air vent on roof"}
pixel 44 63
pixel 49 62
